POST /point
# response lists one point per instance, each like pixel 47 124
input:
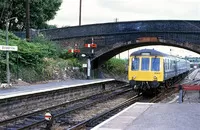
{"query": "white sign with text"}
pixel 8 48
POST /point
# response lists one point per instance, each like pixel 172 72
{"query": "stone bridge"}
pixel 114 38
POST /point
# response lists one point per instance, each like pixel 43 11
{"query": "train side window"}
pixel 155 64
pixel 165 64
pixel 135 63
pixel 145 64
pixel 168 64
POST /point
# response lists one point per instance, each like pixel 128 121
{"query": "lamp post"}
pixel 7 53
pixel 80 6
pixel 27 20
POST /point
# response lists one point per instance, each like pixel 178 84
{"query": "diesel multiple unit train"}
pixel 150 69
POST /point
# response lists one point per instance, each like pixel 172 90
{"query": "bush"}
pixel 116 66
pixel 37 60
pixel 28 62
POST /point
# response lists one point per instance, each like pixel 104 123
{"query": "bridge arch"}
pixel 113 38
pixel 101 58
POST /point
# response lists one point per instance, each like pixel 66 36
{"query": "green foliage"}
pixel 116 66
pixel 65 54
pixel 31 53
pixel 28 62
pixel 49 48
pixel 34 61
pixel 41 11
pixel 10 36
pixel 47 26
pixel 74 62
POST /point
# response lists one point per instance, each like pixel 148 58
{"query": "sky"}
pixel 104 11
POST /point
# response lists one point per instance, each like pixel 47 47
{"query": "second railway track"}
pixel 36 119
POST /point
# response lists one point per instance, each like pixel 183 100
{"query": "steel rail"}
pixel 59 114
pixel 54 107
pixel 93 121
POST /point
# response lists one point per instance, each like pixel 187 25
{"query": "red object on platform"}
pixel 191 87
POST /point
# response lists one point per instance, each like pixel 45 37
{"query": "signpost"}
pixel 84 65
pixel 8 48
pixel 77 51
pixel 92 46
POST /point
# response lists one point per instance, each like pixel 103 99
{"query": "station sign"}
pixel 8 48
pixel 84 65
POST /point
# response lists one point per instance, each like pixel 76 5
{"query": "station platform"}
pixel 31 89
pixel 150 116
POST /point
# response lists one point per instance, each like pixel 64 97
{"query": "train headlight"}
pixel 155 78
pixel 133 77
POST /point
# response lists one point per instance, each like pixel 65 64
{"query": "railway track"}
pixel 90 123
pixel 105 115
pixel 15 104
pixel 166 93
pixel 36 119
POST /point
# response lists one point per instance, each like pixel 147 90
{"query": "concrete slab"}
pixel 148 116
pixel 30 89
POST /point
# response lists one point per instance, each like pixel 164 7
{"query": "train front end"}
pixel 145 71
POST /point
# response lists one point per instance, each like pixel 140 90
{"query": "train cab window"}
pixel 145 64
pixel 135 63
pixel 155 64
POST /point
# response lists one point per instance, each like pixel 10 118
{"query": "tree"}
pixel 47 26
pixel 41 11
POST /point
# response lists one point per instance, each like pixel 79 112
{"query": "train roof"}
pixel 152 52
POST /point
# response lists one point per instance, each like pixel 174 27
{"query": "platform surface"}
pixel 30 89
pixel 149 116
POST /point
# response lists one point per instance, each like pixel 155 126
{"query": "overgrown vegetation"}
pixel 42 60
pixel 116 67
pixel 34 61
